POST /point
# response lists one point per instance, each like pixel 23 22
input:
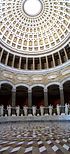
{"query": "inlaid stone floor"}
pixel 35 138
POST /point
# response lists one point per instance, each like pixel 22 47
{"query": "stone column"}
pixel 0 86
pixel 46 62
pixel 40 62
pixel 1 55
pixel 13 61
pixel 13 97
pixel 53 60
pixel 65 54
pixel 61 96
pixel 45 97
pixel 29 98
pixel 26 63
pixel 20 63
pixel 7 58
pixel 59 57
pixel 33 64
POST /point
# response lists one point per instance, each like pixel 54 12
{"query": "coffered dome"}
pixel 34 27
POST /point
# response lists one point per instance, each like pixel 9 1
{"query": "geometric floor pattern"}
pixel 35 138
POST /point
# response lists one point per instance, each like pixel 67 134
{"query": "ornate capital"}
pixel 46 90
pixel 61 87
pixel 13 90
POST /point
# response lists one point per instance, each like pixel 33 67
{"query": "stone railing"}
pixel 34 111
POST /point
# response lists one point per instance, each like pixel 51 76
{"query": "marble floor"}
pixel 35 138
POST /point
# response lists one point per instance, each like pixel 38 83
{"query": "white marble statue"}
pixel 66 109
pixel 34 110
pixel 17 110
pixel 58 109
pixel 50 109
pixel 9 110
pixel 42 110
pixel 1 110
pixel 25 108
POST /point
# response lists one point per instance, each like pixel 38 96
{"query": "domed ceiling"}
pixel 34 26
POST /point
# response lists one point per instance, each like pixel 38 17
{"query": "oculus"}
pixel 32 7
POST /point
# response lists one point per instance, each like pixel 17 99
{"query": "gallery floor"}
pixel 35 138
